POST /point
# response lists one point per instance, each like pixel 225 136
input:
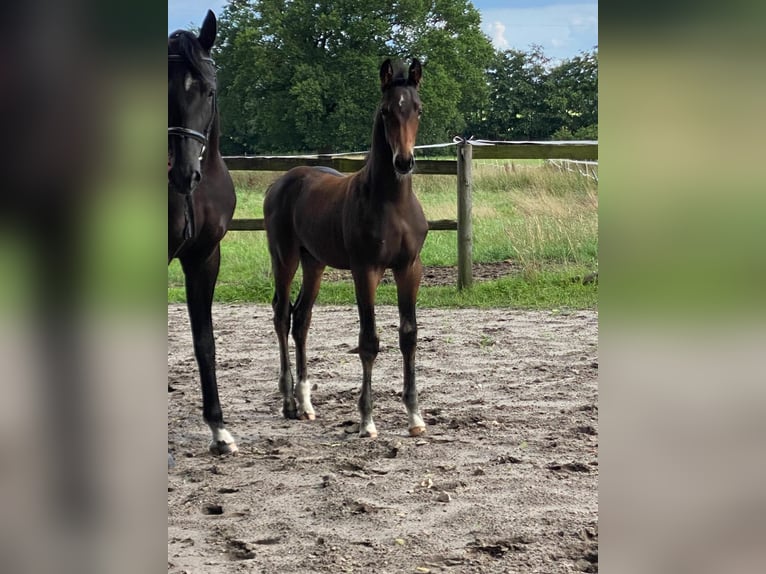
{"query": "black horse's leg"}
pixel 365 283
pixel 201 276
pixel 312 277
pixel 284 271
pixel 407 284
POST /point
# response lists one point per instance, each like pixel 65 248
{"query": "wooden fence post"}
pixel 464 224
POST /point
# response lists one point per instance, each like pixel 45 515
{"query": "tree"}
pixel 516 107
pixel 574 97
pixel 530 99
pixel 300 76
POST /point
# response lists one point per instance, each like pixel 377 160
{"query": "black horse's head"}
pixel 191 103
pixel 400 110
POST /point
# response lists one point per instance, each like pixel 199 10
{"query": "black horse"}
pixel 201 200
pixel 367 222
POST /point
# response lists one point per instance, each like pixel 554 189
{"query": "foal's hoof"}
pixel 290 414
pixel 306 411
pixel 368 431
pixel 417 431
pixel 220 448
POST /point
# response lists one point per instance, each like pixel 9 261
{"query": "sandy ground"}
pixel 505 480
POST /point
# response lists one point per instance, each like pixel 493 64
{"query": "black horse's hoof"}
pixel 221 448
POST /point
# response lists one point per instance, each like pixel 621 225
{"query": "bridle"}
pixel 184 132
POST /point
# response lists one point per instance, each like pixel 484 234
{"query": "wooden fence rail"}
pixel 342 164
pixel 257 225
pixel 467 151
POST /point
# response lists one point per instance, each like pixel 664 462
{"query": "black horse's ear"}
pixel 416 72
pixel 207 32
pixel 386 75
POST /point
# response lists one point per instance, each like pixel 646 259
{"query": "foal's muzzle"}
pixel 404 165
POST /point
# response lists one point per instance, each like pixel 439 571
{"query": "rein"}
pixel 184 132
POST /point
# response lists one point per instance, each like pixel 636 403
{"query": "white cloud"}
pixel 563 30
pixel 584 24
pixel 497 32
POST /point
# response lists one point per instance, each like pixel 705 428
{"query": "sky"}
pixel 564 28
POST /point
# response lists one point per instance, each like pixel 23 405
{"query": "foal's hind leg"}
pixel 407 284
pixel 284 271
pixel 200 284
pixel 312 277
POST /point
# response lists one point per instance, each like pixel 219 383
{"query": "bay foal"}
pixel 367 222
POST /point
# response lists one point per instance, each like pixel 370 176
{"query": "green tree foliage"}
pixel 518 90
pixel 300 76
pixel 574 97
pixel 531 99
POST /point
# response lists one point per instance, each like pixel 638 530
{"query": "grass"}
pixel 544 220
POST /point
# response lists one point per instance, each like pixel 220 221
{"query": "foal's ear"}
pixel 386 75
pixel 416 72
pixel 207 32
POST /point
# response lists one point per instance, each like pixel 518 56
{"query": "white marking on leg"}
pixel 223 442
pixel 303 400
pixel 367 429
pixel 416 424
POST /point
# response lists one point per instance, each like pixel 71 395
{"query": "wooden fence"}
pixel 467 151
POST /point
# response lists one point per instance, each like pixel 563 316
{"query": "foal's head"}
pixel 191 103
pixel 400 111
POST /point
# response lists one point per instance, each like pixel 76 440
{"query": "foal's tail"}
pixel 278 222
pixel 282 242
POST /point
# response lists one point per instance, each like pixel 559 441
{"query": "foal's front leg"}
pixel 407 284
pixel 365 283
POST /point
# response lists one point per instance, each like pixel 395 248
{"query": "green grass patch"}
pixel 543 220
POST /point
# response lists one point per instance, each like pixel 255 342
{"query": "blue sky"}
pixel 564 28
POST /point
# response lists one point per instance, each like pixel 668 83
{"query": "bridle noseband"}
pixel 189 133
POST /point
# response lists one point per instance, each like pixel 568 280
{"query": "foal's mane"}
pixel 186 45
